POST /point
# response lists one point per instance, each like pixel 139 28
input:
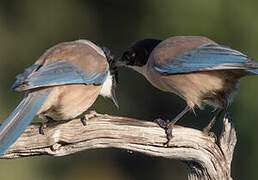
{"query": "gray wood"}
pixel 205 157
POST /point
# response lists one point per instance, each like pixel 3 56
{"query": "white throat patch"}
pixel 106 90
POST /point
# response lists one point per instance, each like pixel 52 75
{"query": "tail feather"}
pixel 253 71
pixel 251 66
pixel 19 119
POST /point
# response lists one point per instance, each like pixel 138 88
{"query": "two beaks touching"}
pixel 66 80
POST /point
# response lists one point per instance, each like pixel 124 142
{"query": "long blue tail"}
pixel 254 71
pixel 20 118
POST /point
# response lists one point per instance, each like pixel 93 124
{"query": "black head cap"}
pixel 138 53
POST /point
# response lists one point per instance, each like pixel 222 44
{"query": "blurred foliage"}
pixel 28 28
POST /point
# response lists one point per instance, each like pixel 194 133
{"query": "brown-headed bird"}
pixel 195 68
pixel 62 84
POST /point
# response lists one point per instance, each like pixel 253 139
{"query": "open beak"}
pixel 114 99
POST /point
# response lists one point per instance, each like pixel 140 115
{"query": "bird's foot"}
pixel 44 125
pixel 84 121
pixel 207 132
pixel 88 116
pixel 41 128
pixel 168 127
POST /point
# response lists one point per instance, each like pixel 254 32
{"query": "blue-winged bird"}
pixel 62 84
pixel 195 68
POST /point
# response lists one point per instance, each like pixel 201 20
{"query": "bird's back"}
pixel 167 50
pixel 81 53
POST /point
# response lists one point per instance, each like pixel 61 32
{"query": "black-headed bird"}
pixel 195 68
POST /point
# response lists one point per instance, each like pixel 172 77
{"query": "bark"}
pixel 206 157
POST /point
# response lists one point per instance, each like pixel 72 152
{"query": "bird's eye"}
pixel 133 54
pixel 129 55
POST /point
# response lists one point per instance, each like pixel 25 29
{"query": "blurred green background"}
pixel 29 27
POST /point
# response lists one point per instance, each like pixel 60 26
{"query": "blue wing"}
pixel 208 57
pixel 57 73
pixel 20 118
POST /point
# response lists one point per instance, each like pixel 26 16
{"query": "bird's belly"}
pixel 70 101
pixel 196 88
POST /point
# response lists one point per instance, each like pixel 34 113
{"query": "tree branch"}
pixel 206 158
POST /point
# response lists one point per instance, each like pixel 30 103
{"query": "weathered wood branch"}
pixel 206 158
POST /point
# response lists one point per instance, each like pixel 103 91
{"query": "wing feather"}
pixel 57 73
pixel 205 58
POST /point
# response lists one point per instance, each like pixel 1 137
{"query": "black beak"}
pixel 114 99
pixel 114 73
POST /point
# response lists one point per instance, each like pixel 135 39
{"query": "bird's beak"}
pixel 114 99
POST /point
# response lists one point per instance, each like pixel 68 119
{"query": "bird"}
pixel 62 84
pixel 197 69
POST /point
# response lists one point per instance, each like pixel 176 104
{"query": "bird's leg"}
pixel 168 126
pixel 207 129
pixel 43 125
pixel 83 120
pixel 88 116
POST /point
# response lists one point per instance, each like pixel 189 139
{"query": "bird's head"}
pixel 138 53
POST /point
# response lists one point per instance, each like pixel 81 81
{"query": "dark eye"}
pixel 129 55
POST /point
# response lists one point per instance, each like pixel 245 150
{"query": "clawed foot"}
pixel 84 121
pixel 44 125
pixel 41 128
pixel 88 116
pixel 207 132
pixel 168 127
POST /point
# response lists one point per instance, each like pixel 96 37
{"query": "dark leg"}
pixel 207 129
pixel 49 120
pixel 41 128
pixel 168 126
pixel 84 121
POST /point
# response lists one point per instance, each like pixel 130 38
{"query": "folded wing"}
pixel 57 73
pixel 208 57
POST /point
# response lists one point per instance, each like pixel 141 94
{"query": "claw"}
pixel 84 121
pixel 41 128
pixel 161 123
pixel 44 125
pixel 168 127
pixel 209 133
pixel 88 116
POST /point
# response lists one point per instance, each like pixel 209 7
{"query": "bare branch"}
pixel 205 158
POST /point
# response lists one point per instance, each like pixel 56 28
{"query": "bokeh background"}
pixel 29 27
